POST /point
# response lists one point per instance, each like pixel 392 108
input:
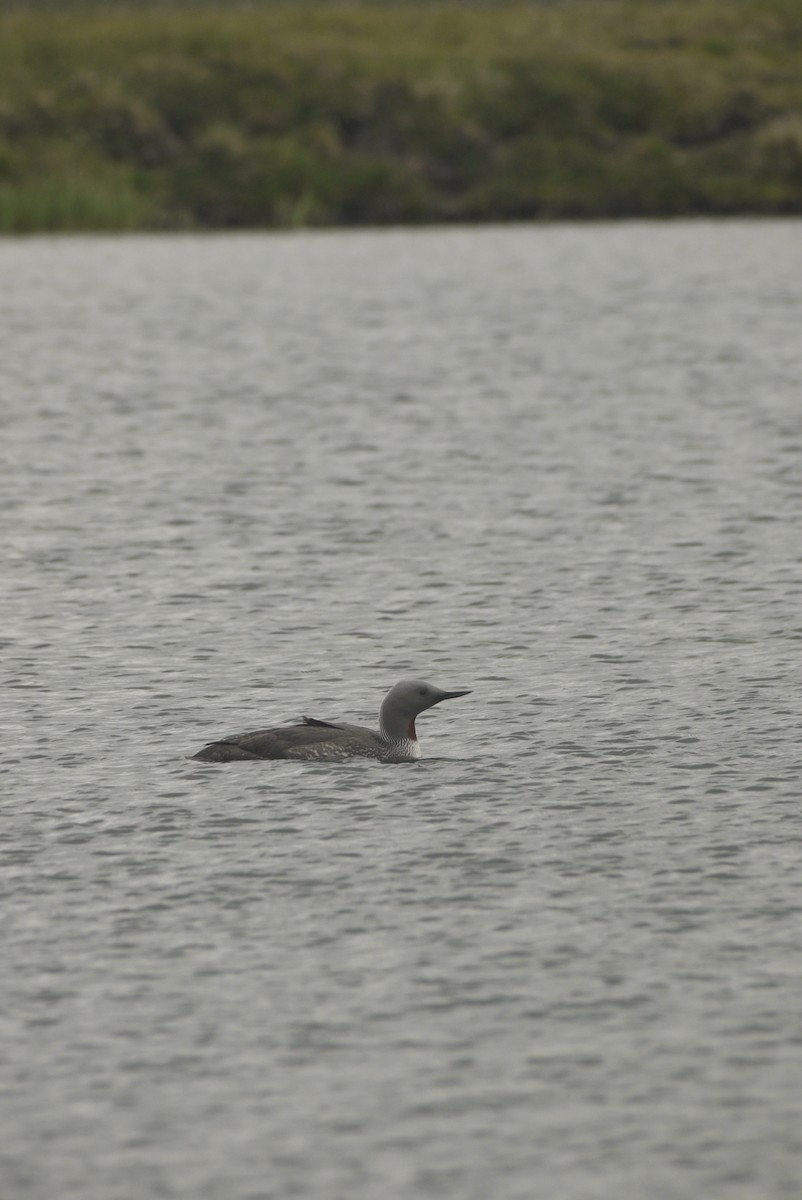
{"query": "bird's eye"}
pixel 421 691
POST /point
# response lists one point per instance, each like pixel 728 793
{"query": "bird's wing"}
pixel 311 739
pixel 295 741
pixel 343 726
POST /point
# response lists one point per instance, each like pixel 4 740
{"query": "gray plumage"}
pixel 332 741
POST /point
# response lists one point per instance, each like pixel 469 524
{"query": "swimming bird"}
pixel 332 741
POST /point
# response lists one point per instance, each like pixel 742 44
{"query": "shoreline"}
pixel 329 116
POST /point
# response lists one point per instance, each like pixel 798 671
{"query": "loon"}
pixel 332 741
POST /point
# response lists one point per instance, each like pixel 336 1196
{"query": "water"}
pixel 252 476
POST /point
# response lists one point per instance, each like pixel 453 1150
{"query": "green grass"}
pixel 188 116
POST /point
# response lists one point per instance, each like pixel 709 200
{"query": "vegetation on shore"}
pixel 187 116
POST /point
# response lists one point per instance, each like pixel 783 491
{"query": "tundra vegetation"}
pixel 185 116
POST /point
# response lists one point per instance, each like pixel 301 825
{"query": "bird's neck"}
pixel 395 728
pixel 400 750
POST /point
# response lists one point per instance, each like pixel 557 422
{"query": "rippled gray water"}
pixel 249 477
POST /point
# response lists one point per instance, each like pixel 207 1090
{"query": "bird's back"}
pixel 310 740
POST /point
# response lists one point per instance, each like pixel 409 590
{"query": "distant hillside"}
pixel 153 116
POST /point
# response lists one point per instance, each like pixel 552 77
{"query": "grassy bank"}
pixel 190 117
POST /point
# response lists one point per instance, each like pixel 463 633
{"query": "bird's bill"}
pixel 452 695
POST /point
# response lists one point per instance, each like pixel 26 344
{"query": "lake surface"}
pixel 249 477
